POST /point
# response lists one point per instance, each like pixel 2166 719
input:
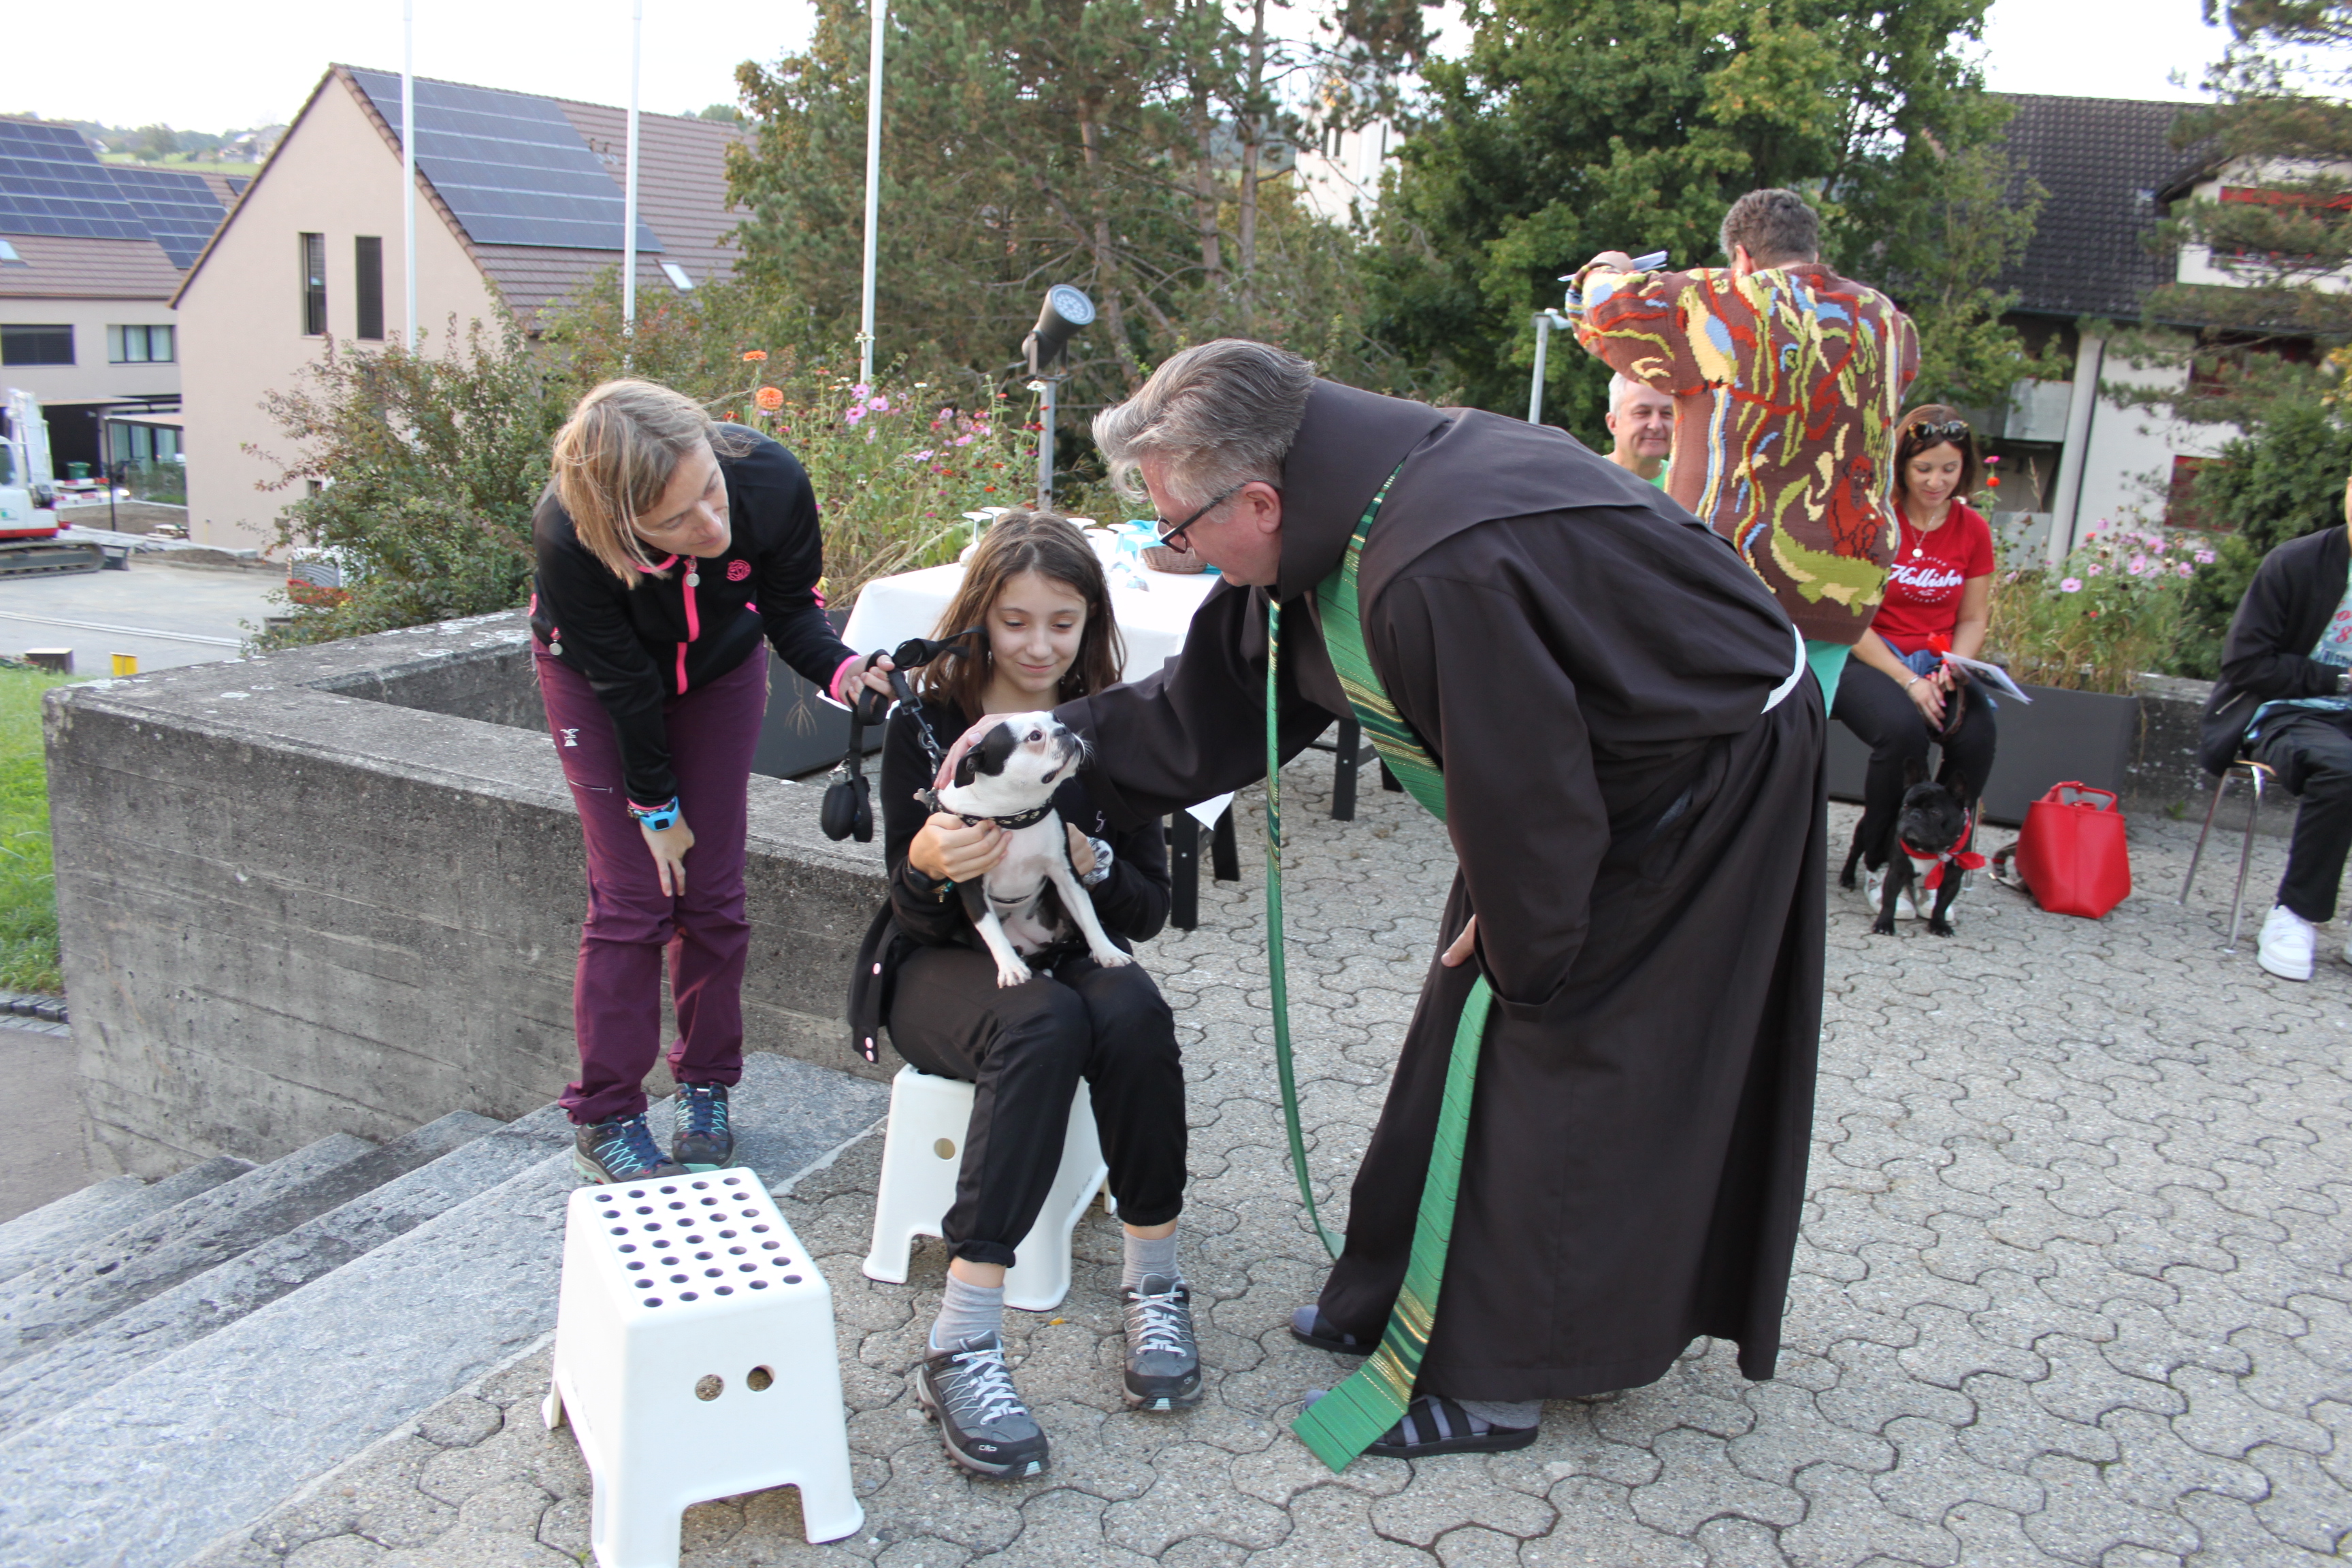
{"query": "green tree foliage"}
pixel 2281 479
pixel 1132 147
pixel 1577 126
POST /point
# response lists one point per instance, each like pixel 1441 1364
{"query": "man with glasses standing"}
pixel 1608 712
pixel 1787 379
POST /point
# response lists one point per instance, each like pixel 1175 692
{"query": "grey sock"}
pixel 1513 1414
pixel 968 1312
pixel 1147 1256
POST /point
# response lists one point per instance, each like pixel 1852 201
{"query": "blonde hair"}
pixel 617 453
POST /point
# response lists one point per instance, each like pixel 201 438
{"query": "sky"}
pixel 211 76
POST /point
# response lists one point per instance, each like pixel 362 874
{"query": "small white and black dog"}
pixel 1032 899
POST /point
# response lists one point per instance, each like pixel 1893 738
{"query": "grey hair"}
pixel 1619 385
pixel 1777 226
pixel 1218 415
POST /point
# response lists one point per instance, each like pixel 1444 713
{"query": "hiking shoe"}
pixel 1163 1361
pixel 2287 942
pixel 620 1150
pixel 1434 1425
pixel 699 1139
pixel 1873 886
pixel 987 1429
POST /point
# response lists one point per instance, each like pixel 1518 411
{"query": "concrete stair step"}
pixel 111 1350
pixel 74 1221
pixel 58 1300
pixel 152 1470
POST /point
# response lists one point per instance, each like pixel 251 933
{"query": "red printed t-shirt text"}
pixel 1923 585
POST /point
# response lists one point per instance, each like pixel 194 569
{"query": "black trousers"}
pixel 2312 754
pixel 1875 708
pixel 1025 1048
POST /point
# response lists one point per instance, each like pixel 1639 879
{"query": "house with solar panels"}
pixel 519 206
pixel 90 255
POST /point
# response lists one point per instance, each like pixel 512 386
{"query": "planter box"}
pixel 802 733
pixel 2084 735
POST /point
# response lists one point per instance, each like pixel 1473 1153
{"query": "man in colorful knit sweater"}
pixel 1787 381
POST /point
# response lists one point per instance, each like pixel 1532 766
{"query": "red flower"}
pixel 755 356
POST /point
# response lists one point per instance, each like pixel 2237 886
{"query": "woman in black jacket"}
pixel 1036 590
pixel 667 545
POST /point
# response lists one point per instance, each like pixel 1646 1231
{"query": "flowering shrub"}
pixel 895 466
pixel 2098 619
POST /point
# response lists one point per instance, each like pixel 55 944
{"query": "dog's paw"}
pixel 1939 926
pixel 1011 974
pixel 1110 957
pixel 1846 878
pixel 1883 926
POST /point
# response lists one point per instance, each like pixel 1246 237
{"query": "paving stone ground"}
pixel 2072 1287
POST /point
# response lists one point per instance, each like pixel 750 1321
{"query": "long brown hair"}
pixel 616 455
pixel 1053 547
pixel 1918 435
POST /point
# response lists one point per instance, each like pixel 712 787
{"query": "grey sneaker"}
pixel 620 1150
pixel 700 1138
pixel 1163 1361
pixel 987 1429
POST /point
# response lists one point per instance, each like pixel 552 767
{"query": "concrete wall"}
pixel 240 313
pixel 296 896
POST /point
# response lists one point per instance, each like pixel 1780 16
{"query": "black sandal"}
pixel 1308 1326
pixel 1435 1425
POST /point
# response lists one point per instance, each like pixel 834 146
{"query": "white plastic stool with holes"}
pixel 695 1358
pixel 921 1155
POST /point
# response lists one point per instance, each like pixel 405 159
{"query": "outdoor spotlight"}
pixel 1066 310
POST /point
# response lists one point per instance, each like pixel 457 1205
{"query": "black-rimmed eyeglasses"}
pixel 1173 537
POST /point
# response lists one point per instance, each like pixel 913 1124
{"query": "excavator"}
pixel 30 546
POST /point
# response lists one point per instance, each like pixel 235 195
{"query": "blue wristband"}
pixel 656 819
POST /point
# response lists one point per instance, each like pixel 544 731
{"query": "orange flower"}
pixel 755 356
pixel 770 398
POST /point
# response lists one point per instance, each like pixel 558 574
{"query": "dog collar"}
pixel 1019 819
pixel 1965 859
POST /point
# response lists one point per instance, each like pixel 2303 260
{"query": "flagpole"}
pixel 629 199
pixel 872 188
pixel 416 333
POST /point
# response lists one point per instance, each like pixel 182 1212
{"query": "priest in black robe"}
pixel 1633 769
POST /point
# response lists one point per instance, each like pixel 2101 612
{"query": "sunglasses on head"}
pixel 1955 428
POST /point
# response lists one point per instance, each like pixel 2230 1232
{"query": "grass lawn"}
pixel 28 905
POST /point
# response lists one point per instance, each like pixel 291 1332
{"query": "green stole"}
pixel 1352 1416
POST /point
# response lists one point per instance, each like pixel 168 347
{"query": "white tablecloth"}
pixel 1152 619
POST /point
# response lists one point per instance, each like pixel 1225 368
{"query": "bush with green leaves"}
pixel 2281 479
pixel 424 468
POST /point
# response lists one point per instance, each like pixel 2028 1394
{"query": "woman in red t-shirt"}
pixel 1894 692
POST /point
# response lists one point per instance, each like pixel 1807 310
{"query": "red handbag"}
pixel 2072 852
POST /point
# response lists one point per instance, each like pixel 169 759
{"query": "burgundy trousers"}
pixel 631 923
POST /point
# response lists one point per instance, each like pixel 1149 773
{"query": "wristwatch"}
pixel 656 819
pixel 1094 878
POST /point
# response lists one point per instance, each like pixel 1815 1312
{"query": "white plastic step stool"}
pixel 922 1155
pixel 695 1358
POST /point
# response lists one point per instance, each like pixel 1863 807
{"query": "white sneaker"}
pixel 1874 886
pixel 2286 945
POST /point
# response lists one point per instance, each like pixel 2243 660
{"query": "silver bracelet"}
pixel 1094 878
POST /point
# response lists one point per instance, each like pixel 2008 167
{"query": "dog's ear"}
pixel 988 757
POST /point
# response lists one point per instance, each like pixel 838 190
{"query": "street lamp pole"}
pixel 872 188
pixel 629 188
pixel 415 334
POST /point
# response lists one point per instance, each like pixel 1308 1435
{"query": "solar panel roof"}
pixel 51 182
pixel 510 166
pixel 179 209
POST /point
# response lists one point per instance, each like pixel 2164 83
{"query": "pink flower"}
pixel 919 456
pixel 2094 570
pixel 857 412
pixel 860 390
pixel 2138 565
pixel 880 402
pixel 963 440
pixel 2183 569
pixel 2204 558
pixel 2072 584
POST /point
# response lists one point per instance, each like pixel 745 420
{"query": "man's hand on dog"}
pixel 947 851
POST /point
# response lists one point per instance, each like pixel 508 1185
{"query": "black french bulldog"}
pixel 1930 830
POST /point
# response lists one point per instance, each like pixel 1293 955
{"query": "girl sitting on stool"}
pixel 1036 590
